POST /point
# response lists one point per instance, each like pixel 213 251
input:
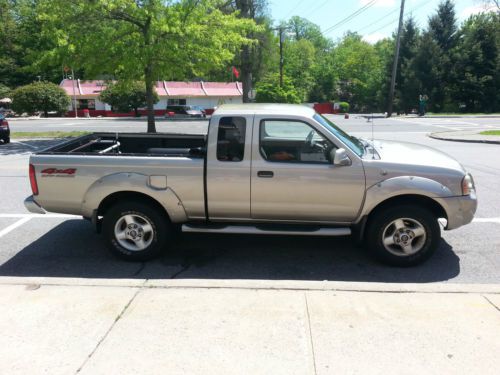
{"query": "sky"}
pixel 377 21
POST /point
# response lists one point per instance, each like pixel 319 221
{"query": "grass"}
pixel 490 132
pixel 53 134
pixel 444 114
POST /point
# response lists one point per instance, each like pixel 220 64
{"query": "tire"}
pixel 145 231
pixel 413 231
pixel 6 140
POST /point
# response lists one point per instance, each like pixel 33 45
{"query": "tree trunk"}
pixel 148 76
pixel 246 62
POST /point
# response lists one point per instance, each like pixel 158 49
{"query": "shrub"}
pixel 40 97
pixel 269 91
pixel 344 107
pixel 126 96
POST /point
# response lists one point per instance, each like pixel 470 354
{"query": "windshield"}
pixel 352 142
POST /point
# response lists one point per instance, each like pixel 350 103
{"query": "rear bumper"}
pixel 32 206
pixel 460 210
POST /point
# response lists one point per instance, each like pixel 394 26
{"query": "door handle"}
pixel 265 174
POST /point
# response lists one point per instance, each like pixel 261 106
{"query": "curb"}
pixel 465 140
pixel 290 285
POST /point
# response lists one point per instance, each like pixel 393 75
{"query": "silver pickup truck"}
pixel 261 169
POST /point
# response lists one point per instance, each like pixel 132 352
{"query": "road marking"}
pixel 487 220
pixel 11 227
pixel 43 216
pixel 26 144
pixel 424 124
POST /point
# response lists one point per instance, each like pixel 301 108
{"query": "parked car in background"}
pixel 4 129
pixel 201 109
pixel 185 111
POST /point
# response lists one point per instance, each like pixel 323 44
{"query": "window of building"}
pixel 293 142
pixel 176 102
pixel 86 103
pixel 231 139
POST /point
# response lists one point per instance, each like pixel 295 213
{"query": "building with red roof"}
pixel 207 95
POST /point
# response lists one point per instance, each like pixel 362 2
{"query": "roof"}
pixel 163 88
pixel 264 108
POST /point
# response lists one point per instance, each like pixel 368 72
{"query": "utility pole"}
pixel 396 57
pixel 282 39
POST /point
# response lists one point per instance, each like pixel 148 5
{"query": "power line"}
pixel 393 20
pixel 294 8
pixel 350 17
pixel 314 10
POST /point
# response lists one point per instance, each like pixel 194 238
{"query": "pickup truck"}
pixel 260 169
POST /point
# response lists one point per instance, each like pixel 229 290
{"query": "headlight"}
pixel 467 185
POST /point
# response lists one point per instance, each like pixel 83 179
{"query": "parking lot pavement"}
pixel 69 247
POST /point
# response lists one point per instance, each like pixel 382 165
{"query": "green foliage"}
pixel 126 96
pixel 269 91
pixel 344 107
pixel 4 91
pixel 40 97
pixel 143 40
pixel 476 78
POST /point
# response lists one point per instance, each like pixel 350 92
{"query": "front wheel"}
pixel 136 231
pixel 403 235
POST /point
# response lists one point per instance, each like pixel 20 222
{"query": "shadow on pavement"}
pixel 73 249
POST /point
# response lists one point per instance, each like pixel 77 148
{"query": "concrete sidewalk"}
pixel 69 326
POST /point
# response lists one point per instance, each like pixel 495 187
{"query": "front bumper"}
pixel 32 206
pixel 460 210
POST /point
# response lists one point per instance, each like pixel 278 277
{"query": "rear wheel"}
pixel 403 235
pixel 136 231
pixel 6 140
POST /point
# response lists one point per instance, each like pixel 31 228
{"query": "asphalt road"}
pixel 69 247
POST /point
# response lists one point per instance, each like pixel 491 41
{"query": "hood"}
pixel 415 154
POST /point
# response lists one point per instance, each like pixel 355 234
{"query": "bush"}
pixel 4 91
pixel 40 97
pixel 269 91
pixel 344 107
pixel 126 96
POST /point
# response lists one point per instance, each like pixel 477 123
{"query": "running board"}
pixel 246 229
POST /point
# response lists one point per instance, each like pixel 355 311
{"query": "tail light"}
pixel 4 124
pixel 34 185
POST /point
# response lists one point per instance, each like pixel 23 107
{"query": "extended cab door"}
pixel 293 178
pixel 228 167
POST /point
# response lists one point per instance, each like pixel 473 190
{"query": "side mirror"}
pixel 340 157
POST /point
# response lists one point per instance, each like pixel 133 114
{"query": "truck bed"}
pixel 137 144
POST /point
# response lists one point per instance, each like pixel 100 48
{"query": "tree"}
pixel 476 82
pixel 126 96
pixel 357 65
pixel 143 40
pixel 40 97
pixel 407 86
pixel 443 31
pixel 4 91
pixel 269 91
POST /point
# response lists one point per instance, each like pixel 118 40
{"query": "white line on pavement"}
pixel 26 144
pixel 11 227
pixel 487 220
pixel 31 216
pixel 66 216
